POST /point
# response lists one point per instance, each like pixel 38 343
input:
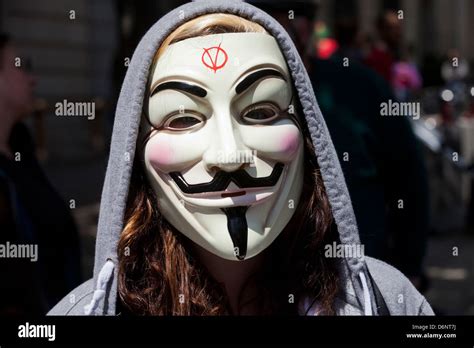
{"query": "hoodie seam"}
pixel 77 303
pixel 423 304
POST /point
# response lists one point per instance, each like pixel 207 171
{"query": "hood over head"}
pixel 127 127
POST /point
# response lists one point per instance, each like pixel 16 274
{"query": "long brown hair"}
pixel 158 271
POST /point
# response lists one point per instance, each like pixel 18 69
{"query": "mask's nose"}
pixel 226 151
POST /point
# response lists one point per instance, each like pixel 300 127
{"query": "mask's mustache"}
pixel 222 179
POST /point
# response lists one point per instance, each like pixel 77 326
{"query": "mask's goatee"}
pixel 237 227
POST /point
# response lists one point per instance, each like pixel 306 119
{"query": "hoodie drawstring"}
pixel 105 275
pixel 367 303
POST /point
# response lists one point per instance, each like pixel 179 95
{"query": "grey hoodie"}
pixel 369 287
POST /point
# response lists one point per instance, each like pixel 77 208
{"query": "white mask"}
pixel 219 109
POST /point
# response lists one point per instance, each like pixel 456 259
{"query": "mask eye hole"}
pixel 183 121
pixel 261 113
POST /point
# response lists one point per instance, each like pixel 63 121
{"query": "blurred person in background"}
pixel 385 50
pixel 31 211
pixel 379 155
pixel 406 77
pixel 391 59
pixel 350 40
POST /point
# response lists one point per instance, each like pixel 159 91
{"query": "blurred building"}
pixel 71 45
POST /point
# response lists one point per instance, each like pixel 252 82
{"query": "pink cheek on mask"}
pixel 160 156
pixel 290 142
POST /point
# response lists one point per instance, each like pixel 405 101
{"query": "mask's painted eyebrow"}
pixel 254 77
pixel 180 86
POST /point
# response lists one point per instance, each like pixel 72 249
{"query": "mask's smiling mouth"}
pixel 219 192
pixel 222 180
